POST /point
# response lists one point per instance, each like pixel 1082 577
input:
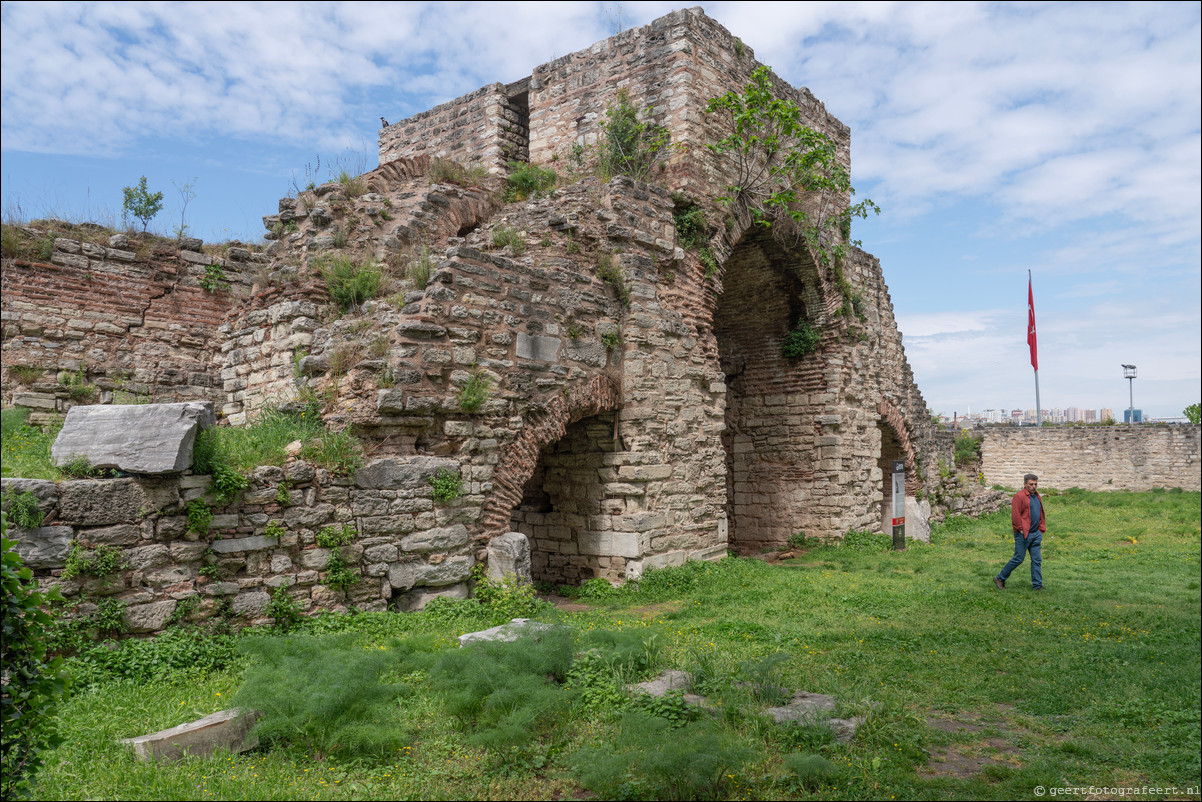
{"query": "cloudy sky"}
pixel 997 138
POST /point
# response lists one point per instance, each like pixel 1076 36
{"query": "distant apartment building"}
pixel 1091 416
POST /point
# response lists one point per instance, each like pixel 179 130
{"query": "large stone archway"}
pixel 773 453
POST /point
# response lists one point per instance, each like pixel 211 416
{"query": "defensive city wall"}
pixel 637 407
pixel 1095 457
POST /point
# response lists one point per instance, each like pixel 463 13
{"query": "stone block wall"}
pixel 406 546
pixel 129 318
pixel 670 68
pixel 488 127
pixel 1094 457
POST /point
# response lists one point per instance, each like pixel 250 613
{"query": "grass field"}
pixel 969 692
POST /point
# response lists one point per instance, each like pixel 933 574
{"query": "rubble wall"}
pixel 1094 457
pixel 404 546
pixel 129 319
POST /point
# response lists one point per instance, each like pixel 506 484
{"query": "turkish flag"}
pixel 1031 325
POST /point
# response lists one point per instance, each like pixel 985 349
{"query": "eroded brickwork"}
pixel 129 318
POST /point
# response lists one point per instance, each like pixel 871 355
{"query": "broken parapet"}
pixel 137 438
pixel 228 729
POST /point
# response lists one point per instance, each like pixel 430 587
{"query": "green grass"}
pixel 1093 681
pixel 25 450
pixel 263 441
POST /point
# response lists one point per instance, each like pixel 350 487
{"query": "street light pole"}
pixel 1129 374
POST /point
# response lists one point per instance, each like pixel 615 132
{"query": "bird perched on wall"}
pixel 383 123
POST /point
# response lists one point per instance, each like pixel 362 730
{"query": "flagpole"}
pixel 1031 343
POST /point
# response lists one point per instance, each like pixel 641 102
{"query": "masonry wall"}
pixel 405 546
pixel 1094 458
pixel 129 317
pixel 672 67
pixel 487 127
pixel 669 69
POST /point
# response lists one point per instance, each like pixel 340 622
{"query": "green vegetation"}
pixel 284 609
pixel 611 339
pixel 24 374
pixel 24 511
pixel 352 185
pixel 350 283
pixel 445 171
pixel 200 516
pixel 419 267
pixel 967 449
pixel 331 537
pixel 77 385
pixel 527 180
pixel 506 235
pixel 968 692
pixel 447 485
pixel 140 203
pixel 214 279
pixel 33 684
pixel 474 392
pixel 612 274
pixel 776 161
pixel 102 561
pixel 692 229
pixel 1193 413
pixel 631 144
pixel 263 442
pixel 802 341
pixel 339 575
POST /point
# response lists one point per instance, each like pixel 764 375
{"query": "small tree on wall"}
pixel 776 160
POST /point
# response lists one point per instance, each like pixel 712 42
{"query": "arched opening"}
pixel 772 401
pixel 891 449
pixel 565 510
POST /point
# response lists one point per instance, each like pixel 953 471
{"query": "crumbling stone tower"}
pixel 696 434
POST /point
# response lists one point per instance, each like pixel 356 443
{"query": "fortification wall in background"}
pixel 1094 457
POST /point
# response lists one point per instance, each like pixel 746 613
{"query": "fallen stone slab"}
pixel 506 633
pixel 670 680
pixel 228 729
pixel 136 438
pixel 816 708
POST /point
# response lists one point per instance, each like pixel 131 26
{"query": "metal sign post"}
pixel 899 504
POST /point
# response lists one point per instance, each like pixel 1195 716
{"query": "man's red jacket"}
pixel 1020 512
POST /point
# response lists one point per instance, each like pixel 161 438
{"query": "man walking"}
pixel 1029 522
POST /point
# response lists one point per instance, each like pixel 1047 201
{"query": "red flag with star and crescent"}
pixel 1031 325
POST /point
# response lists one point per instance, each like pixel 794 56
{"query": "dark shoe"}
pixel 1001 583
pixel 1038 588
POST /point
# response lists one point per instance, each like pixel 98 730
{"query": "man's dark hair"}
pixel 1029 477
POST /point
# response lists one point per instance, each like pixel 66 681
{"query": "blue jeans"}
pixel 1032 543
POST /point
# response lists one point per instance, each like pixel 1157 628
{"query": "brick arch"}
pixel 745 229
pixel 602 393
pixel 891 416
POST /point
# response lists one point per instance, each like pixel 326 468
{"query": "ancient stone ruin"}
pixel 632 405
